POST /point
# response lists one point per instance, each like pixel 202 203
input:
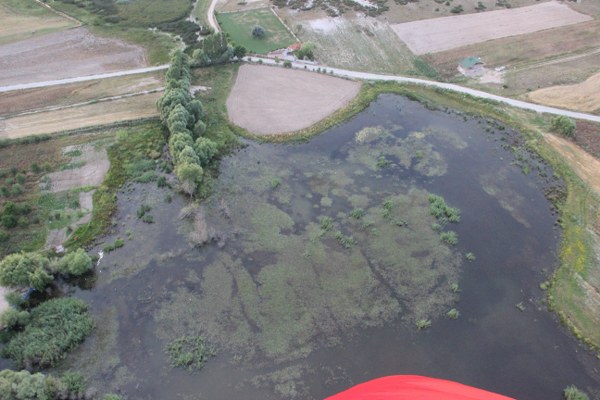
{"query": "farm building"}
pixel 471 66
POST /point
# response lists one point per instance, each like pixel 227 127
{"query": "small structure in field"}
pixel 471 66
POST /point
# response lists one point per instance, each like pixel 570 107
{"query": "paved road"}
pixel 449 86
pixel 35 85
pixel 339 72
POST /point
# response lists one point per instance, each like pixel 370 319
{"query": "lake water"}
pixel 318 260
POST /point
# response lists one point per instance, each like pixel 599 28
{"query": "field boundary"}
pixel 62 14
pixel 284 24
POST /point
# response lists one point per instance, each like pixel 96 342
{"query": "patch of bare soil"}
pixel 584 96
pixel 586 166
pixel 439 34
pixel 587 136
pixel 269 101
pixel 71 53
pixel 89 169
pixel 102 113
pixel 3 303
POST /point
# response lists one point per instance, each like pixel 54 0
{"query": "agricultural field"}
pixel 355 43
pixel 75 52
pixel 439 34
pixel 52 97
pixel 22 19
pixel 293 99
pixel 72 118
pixel 523 50
pixel 584 96
pixel 239 26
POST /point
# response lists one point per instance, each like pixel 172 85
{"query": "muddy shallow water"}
pixel 319 259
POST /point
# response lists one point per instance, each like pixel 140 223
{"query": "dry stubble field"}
pixel 439 34
pixel 270 101
pixel 584 96
pixel 103 113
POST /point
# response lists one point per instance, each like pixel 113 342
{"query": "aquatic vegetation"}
pixel 442 211
pixel 470 256
pixel 454 287
pixel 326 223
pixel 382 162
pixel 357 213
pixel 571 392
pixel 371 134
pixel 188 352
pixel 453 313
pixel 449 237
pixel 345 241
pixel 423 324
pixel 520 306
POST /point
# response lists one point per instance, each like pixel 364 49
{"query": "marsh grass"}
pixel 423 324
pixel 326 223
pixel 453 313
pixel 449 237
pixel 188 352
pixel 442 211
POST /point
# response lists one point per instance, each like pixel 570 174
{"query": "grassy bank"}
pixel 569 292
pixel 133 154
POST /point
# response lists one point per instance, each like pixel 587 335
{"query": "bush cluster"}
pixel 36 270
pixel 213 50
pixel 24 385
pixel 563 125
pixel 52 329
pixel 182 116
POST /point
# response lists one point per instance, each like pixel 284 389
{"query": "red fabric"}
pixel 414 387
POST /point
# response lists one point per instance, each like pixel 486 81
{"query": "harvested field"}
pixel 35 99
pixel 103 113
pixel 26 20
pixel 522 50
pixel 270 101
pixel 358 44
pixel 439 34
pixel 72 53
pixel 585 165
pixel 584 96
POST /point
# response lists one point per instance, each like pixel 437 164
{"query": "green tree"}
pixel 23 385
pixel 190 175
pixel 306 51
pixel 213 50
pixel 74 263
pixel 13 318
pixel 258 32
pixel 188 156
pixel 239 51
pixel 25 269
pixel 563 125
pixel 206 149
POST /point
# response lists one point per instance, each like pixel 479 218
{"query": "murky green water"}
pixel 318 260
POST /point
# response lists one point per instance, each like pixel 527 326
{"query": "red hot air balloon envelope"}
pixel 414 387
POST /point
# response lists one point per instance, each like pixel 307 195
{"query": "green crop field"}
pixel 239 27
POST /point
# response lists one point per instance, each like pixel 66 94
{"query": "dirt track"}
pixel 439 34
pixel 71 53
pixel 269 101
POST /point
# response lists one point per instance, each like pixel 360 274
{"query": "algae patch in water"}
pixel 314 269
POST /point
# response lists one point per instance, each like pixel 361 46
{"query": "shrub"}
pixel 239 51
pixel 23 385
pixel 287 64
pixel 563 125
pixel 190 175
pixel 56 327
pixel 35 168
pixel 13 318
pixel 4 237
pixel 457 9
pixel 21 178
pixel 17 189
pixel 74 263
pixel 572 393
pixel 258 32
pixel 206 149
pixel 25 269
pixel 306 51
pixel 9 221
